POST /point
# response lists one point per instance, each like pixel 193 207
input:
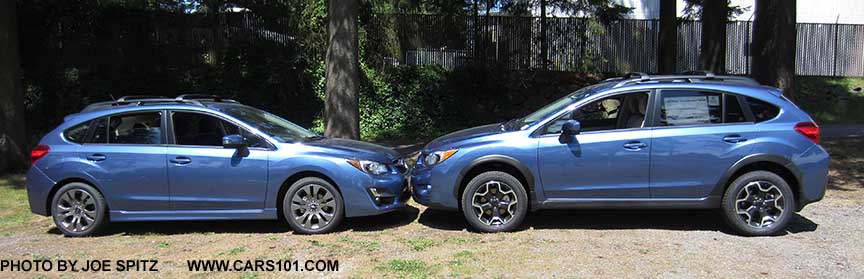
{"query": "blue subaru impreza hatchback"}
pixel 204 158
pixel 687 141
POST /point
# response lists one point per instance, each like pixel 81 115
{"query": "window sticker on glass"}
pixel 713 101
pixel 686 110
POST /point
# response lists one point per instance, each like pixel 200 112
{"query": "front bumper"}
pixel 433 193
pixel 365 204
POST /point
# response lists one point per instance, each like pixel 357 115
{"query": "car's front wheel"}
pixel 312 206
pixel 494 201
pixel 758 203
pixel 78 210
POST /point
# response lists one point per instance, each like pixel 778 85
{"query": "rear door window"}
pixel 133 128
pixel 690 107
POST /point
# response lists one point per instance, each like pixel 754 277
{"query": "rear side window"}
pixel 137 128
pixel 762 110
pixel 686 107
pixel 78 133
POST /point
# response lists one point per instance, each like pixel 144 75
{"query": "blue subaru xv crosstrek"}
pixel 204 158
pixel 687 141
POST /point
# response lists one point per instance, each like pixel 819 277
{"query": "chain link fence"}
pixel 579 44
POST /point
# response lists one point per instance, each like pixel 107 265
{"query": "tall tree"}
pixel 774 43
pixel 667 55
pixel 712 54
pixel 341 107
pixel 12 138
pixel 544 44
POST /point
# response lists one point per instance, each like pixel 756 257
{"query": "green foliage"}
pixel 831 100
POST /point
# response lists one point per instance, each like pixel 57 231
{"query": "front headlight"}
pixel 370 167
pixel 438 157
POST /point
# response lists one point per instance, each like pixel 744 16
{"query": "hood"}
pixel 466 134
pixel 357 149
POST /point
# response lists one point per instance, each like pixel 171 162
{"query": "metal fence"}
pixel 576 44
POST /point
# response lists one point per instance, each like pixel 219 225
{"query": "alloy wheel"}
pixel 313 206
pixel 759 204
pixel 76 210
pixel 494 203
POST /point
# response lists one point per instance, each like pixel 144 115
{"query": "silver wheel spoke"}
pixel 759 204
pixel 494 203
pixel 313 206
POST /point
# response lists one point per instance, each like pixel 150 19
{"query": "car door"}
pixel 608 159
pixel 205 176
pixel 125 153
pixel 698 136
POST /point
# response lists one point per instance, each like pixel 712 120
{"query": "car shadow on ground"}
pixel 394 219
pixel 619 219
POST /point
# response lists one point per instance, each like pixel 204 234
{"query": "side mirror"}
pixel 234 141
pixel 571 127
pixel 568 130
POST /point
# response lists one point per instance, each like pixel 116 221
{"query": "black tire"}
pixel 79 210
pixel 317 221
pixel 475 216
pixel 735 198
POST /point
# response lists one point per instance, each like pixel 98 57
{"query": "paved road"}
pixel 830 131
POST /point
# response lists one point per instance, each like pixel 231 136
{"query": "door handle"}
pixel 734 138
pixel 635 145
pixel 181 160
pixel 97 157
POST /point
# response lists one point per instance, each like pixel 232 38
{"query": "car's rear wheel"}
pixel 758 203
pixel 494 201
pixel 313 206
pixel 79 210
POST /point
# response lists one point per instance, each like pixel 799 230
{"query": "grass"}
pixel 825 98
pixel 14 207
pixel 415 269
pixel 462 264
pixel 419 243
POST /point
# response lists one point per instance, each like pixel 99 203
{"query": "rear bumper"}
pixel 813 166
pixel 38 188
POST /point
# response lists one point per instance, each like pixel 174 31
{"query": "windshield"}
pixel 267 123
pixel 558 105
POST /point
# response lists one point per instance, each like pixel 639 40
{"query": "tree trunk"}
pixel 667 56
pixel 544 44
pixel 341 110
pixel 774 43
pixel 712 55
pixel 13 142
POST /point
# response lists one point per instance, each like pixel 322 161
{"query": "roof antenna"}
pixel 112 97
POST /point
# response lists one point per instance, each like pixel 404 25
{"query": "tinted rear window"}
pixel 762 110
pixel 77 133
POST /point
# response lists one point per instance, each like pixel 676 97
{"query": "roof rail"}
pixel 184 97
pixel 689 76
pixel 192 99
pixel 138 97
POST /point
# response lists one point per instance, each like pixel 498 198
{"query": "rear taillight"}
pixel 809 129
pixel 38 152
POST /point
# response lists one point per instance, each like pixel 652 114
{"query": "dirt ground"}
pixel 824 240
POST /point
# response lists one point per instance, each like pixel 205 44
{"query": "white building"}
pixel 810 11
